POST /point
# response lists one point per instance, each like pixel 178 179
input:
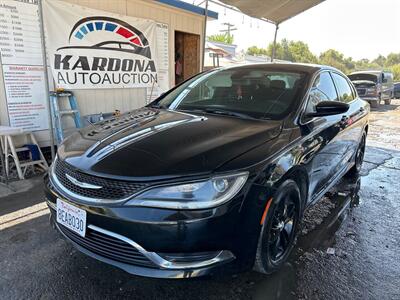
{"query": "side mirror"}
pixel 329 108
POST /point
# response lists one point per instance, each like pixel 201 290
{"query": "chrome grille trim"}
pixel 163 263
pixel 67 192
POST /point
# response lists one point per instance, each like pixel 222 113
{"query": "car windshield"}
pixel 369 77
pixel 241 92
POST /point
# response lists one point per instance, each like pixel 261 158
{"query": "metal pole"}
pixel 204 35
pixel 274 45
pixel 46 78
pixel 3 166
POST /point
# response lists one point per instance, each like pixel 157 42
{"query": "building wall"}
pixel 107 100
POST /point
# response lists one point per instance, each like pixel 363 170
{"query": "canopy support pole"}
pixel 204 36
pixel 274 45
pixel 46 81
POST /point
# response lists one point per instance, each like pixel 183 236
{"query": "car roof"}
pixel 289 67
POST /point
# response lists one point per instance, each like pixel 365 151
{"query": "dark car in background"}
pixel 374 86
pixel 214 176
pixel 396 92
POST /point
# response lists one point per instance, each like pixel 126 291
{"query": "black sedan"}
pixel 214 176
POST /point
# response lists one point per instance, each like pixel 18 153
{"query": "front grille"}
pixel 108 247
pixel 361 91
pixel 111 189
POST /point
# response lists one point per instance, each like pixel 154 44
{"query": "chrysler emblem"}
pixel 82 184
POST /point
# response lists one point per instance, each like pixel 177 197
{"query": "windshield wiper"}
pixel 226 113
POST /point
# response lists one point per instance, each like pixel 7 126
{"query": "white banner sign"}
pixel 95 49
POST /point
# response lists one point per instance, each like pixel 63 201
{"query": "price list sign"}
pixel 20 41
pixel 22 62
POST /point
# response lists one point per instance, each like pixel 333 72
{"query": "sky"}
pixel 357 28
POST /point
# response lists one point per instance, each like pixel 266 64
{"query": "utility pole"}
pixel 274 44
pixel 230 28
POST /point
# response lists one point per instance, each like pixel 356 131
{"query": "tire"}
pixel 375 104
pixel 358 158
pixel 279 231
pixel 388 101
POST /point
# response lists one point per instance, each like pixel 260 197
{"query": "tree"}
pixel 396 72
pixel 298 51
pixel 380 61
pixel 301 53
pixel 335 59
pixel 393 59
pixel 254 50
pixel 282 50
pixel 221 38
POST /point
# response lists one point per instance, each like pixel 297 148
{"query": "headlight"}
pixel 371 90
pixel 193 195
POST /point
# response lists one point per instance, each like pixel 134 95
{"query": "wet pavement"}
pixel 348 247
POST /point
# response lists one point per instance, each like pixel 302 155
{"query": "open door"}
pixel 187 55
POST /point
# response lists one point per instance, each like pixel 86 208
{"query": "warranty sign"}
pixel 88 49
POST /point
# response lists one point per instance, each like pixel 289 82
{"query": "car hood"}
pixel 162 143
pixel 364 83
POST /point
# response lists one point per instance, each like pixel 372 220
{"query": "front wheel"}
pixel 279 230
pixel 375 104
pixel 388 101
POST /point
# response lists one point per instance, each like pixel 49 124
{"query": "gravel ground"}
pixel 358 223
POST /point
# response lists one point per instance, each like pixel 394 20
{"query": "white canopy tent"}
pixel 273 11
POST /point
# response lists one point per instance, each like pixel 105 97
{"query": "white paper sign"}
pixel 95 49
pixel 26 96
pixel 22 60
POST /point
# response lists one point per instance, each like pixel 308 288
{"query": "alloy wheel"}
pixel 282 228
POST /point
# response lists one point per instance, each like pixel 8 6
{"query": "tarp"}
pixel 276 11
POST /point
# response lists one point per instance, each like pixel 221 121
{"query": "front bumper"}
pixel 369 98
pixel 167 243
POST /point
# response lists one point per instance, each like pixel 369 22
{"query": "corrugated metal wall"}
pixel 107 100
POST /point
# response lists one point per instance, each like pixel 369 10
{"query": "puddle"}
pixel 329 215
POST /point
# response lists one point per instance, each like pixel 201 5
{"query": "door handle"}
pixel 362 109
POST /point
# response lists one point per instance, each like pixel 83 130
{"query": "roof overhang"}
pixel 190 8
pixel 275 11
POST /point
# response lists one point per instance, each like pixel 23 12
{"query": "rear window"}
pixel 255 92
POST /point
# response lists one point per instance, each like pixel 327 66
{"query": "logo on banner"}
pixel 105 51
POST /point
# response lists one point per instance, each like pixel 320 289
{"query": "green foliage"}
pixel 392 59
pixel 396 72
pixel 254 50
pixel 380 61
pixel 221 38
pixel 301 52
pixel 298 51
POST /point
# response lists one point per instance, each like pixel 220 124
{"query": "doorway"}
pixel 187 55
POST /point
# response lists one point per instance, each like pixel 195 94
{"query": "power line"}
pixel 229 29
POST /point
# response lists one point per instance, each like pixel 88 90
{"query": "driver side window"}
pixel 323 89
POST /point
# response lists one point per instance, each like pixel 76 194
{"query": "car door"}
pixel 323 150
pixel 351 124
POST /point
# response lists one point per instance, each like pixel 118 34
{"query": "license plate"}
pixel 71 217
